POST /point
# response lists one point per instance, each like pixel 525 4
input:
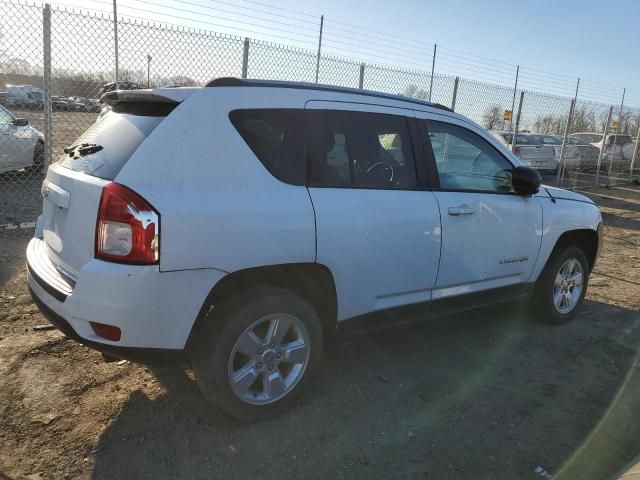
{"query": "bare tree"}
pixel 545 124
pixel 492 118
pixel 415 92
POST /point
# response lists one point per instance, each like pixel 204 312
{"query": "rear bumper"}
pixel 154 310
pixel 147 356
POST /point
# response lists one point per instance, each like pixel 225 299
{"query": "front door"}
pixel 491 236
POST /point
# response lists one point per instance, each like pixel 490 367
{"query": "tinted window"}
pixel 275 137
pixel 465 161
pixel 359 149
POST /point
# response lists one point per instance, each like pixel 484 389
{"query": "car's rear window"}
pixel 520 139
pixel 588 137
pixel 108 144
pixel 276 137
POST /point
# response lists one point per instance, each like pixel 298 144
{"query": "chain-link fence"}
pixel 55 64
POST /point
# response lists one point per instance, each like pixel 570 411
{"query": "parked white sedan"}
pixel 21 145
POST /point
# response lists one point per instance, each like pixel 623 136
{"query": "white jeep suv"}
pixel 237 225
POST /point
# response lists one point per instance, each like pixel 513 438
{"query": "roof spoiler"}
pixel 158 95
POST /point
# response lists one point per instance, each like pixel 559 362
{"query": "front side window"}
pixel 465 161
pixel 275 137
pixel 359 150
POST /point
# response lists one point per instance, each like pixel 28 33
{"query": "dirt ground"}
pixel 485 395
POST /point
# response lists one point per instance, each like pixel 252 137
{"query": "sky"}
pixel 555 42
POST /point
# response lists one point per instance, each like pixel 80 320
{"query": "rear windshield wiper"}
pixel 82 149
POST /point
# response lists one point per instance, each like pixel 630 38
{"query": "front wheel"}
pixel 562 285
pixel 256 352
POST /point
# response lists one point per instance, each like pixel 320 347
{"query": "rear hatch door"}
pixel 73 186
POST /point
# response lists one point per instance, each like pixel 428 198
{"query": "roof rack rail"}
pixel 242 82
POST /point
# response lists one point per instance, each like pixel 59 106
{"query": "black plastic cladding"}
pixel 241 82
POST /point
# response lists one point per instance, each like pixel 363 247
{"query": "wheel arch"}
pixel 587 239
pixel 312 281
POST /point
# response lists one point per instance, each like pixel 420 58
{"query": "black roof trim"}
pixel 241 82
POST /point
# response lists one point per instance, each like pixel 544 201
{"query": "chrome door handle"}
pixel 461 210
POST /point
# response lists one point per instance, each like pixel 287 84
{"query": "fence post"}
pixel 115 37
pixel 455 93
pixel 567 129
pixel 319 47
pixel 433 68
pixel 604 139
pixel 515 130
pixel 635 153
pixel 46 82
pixel 361 80
pixel 245 58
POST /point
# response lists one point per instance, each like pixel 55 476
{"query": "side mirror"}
pixel 21 122
pixel 525 180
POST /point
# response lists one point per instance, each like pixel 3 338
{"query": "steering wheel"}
pixel 386 168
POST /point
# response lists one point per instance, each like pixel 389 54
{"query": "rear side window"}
pixel 359 150
pixel 276 137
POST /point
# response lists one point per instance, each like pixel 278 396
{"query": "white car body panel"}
pixel 562 214
pixel 221 211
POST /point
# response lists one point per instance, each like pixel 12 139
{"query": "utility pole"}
pixel 319 47
pixel 433 69
pixel 513 101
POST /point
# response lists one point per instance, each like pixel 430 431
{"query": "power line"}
pixel 204 22
pixel 220 18
pixel 236 13
pixel 312 22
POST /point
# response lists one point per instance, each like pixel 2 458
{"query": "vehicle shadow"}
pixel 488 394
pixel 618 221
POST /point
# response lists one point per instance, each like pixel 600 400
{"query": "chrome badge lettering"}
pixel 513 260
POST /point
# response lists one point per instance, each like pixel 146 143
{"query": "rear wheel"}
pixel 562 285
pixel 254 355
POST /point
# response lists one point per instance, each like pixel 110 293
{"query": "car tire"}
pixel 267 382
pixel 38 155
pixel 562 285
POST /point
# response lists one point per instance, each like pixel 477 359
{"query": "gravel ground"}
pixel 485 395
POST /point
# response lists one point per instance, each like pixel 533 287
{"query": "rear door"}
pixel 377 229
pixel 490 235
